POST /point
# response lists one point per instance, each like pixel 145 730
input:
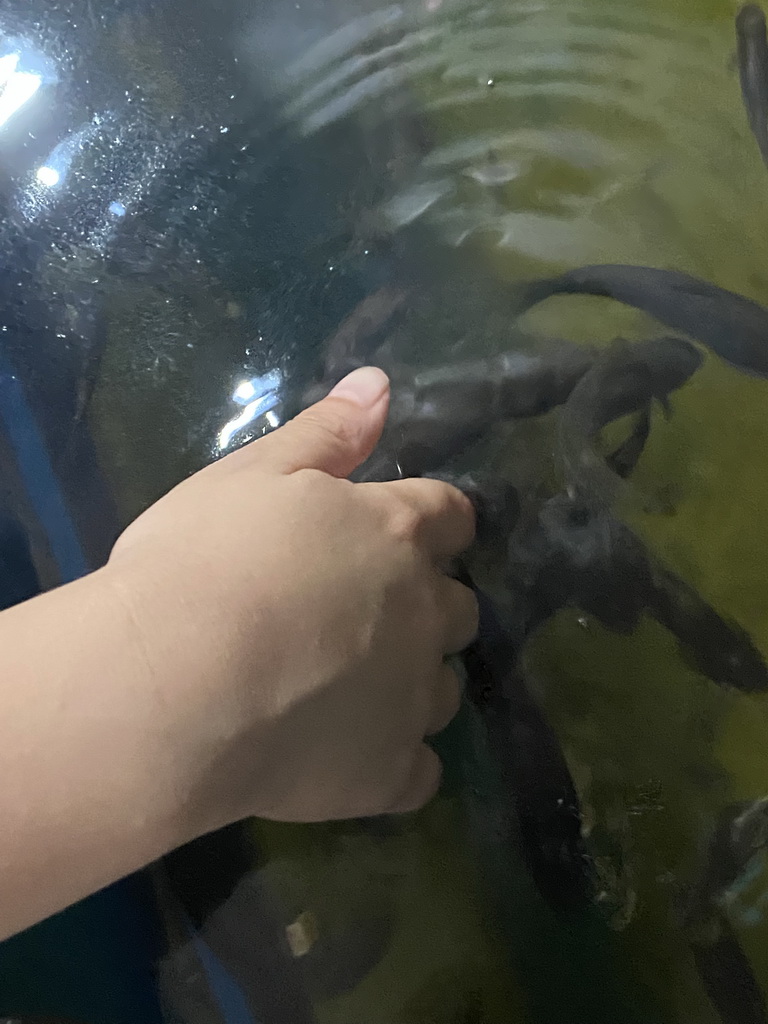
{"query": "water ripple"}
pixel 547 124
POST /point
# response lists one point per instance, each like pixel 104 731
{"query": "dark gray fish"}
pixel 571 554
pixel 442 412
pixel 739 837
pixel 544 815
pixel 542 812
pixel 752 57
pixel 574 555
pixel 496 504
pixel 624 379
pixel 359 337
pixel 623 460
pixel 717 647
pixel 733 326
pixel 727 975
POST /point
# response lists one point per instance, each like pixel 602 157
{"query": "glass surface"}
pixel 207 202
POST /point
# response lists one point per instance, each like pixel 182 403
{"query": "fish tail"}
pixel 530 293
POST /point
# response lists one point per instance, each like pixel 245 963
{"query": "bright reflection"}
pixel 260 396
pixel 60 159
pixel 8 66
pixel 249 389
pixel 48 176
pixel 16 87
pixel 245 393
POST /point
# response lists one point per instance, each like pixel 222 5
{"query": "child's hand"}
pixel 297 624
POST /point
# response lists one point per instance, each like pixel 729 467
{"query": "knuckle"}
pixel 405 522
pixel 309 480
pixel 464 511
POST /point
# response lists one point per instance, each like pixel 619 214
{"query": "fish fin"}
pixel 732 64
pixel 666 407
pixel 623 460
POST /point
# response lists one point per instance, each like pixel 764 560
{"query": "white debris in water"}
pixel 302 934
pixel 409 206
pixel 494 174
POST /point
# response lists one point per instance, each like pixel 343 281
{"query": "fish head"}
pixel 672 361
pixel 750 19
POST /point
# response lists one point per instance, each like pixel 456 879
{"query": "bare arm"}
pixel 269 639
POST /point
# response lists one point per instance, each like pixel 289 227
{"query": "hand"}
pixel 297 624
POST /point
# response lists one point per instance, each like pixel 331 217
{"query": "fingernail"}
pixel 364 387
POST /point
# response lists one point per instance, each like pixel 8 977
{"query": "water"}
pixel 451 150
pixel 508 141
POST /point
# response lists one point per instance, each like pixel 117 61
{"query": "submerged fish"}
pixel 717 647
pixel 443 411
pixel 359 337
pixel 495 501
pixel 733 326
pixel 623 460
pixel 544 814
pixel 624 379
pixel 752 57
pixel 574 555
pixel 739 837
pixel 727 974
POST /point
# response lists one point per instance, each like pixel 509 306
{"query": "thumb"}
pixel 336 434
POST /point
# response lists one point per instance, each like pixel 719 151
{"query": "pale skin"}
pixel 269 639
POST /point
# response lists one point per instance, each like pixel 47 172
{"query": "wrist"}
pixel 197 673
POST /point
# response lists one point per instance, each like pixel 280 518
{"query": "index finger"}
pixel 446 516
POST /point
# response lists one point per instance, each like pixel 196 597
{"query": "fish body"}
pixel 442 412
pixel 544 813
pixel 720 649
pixel 752 59
pixel 738 838
pixel 542 807
pixel 623 459
pixel 727 975
pixel 576 555
pixel 731 325
pixel 495 501
pixel 359 337
pixel 624 379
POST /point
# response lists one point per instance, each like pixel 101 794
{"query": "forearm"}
pixel 88 792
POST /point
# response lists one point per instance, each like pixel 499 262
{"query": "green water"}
pixel 559 133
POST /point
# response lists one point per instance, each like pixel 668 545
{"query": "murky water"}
pixel 459 148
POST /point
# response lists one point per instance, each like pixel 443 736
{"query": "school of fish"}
pixel 572 550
